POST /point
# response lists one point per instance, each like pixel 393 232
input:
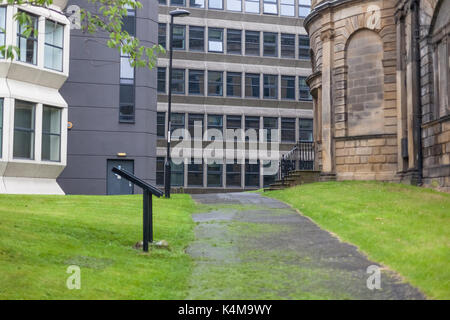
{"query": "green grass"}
pixel 405 228
pixel 40 236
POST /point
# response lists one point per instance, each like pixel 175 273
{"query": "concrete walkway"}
pixel 251 247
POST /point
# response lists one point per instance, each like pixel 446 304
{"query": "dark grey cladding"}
pixel 92 92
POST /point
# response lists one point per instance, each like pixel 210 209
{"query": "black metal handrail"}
pixel 300 157
pixel 149 190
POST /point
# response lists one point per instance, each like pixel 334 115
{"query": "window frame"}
pixel 233 42
pixel 270 4
pixel 269 86
pixel 31 130
pixel 202 39
pixel 47 133
pixel 161 81
pixel 179 38
pixel 303 89
pixel 20 36
pixel 273 45
pixel 233 86
pixel 221 30
pixel 287 131
pixel 303 47
pixel 252 86
pixel 287 47
pixel 179 81
pixel 215 83
pixel 218 172
pixel 287 87
pixel 200 83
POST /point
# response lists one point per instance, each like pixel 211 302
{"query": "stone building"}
pixel 380 87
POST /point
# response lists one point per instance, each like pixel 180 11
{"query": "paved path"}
pixel 251 247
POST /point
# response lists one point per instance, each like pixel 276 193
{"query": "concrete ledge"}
pixel 14 185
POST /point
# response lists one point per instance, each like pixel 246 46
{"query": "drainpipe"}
pixel 418 113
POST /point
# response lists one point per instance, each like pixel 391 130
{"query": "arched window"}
pixel 365 79
pixel 441 64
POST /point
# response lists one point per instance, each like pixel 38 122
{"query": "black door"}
pixel 115 183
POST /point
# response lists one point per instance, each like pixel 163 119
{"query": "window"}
pixel 270 86
pixel 176 121
pixel 303 47
pixel 287 8
pixel 177 174
pixel 160 171
pixel 178 81
pixel 287 45
pixel 162 2
pixel 179 36
pixel 269 125
pixel 252 43
pixel 53 52
pixel 2 26
pixel 234 41
pixel 178 3
pixel 270 44
pixel 215 83
pixel 252 127
pixel 196 82
pixel 288 129
pixel 160 124
pixel 129 21
pixel 28 45
pixel 269 179
pixel 270 6
pixel 1 125
pixel 197 4
pixel 214 175
pixel 126 104
pixel 288 87
pixel 162 79
pixel 234 174
pixel 195 121
pixel 252 6
pixel 234 84
pixel 251 174
pixel 215 122
pixel 215 40
pixel 252 85
pixel 215 4
pixel 195 173
pixel 234 5
pixel 162 30
pixel 24 130
pixel 306 130
pixel 196 38
pixel 303 89
pixel 127 90
pixel 304 8
pixel 51 134
pixel 234 122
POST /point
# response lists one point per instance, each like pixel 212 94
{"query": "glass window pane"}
pixel 179 33
pixel 252 85
pixel 23 130
pixel 215 83
pixel 234 86
pixel 178 81
pixel 252 6
pixel 270 44
pixel 252 43
pixel 196 38
pixel 234 5
pixel 162 34
pixel 234 41
pixel 196 82
pixel 270 6
pixel 215 4
pixel 161 79
pixel 287 45
pixel 197 4
pixel 270 86
pixel 126 70
pixel 215 40
pixel 178 3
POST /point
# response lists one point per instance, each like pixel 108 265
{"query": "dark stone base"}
pixel 326 176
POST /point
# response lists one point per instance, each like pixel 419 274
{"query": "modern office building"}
pixel 112 109
pixel 237 64
pixel 33 114
pixel 380 87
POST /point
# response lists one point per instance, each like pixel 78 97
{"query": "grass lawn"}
pixel 40 236
pixel 403 227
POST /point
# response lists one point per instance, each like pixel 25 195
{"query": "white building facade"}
pixel 33 114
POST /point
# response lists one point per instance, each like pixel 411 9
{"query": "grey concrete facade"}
pixel 93 92
pixel 234 16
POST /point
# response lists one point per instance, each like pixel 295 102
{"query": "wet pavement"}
pixel 251 247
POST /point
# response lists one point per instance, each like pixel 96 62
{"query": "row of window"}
pixel 273 7
pixel 197 121
pixel 28 45
pixel 273 44
pixel 214 174
pixel 234 83
pixel 24 131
